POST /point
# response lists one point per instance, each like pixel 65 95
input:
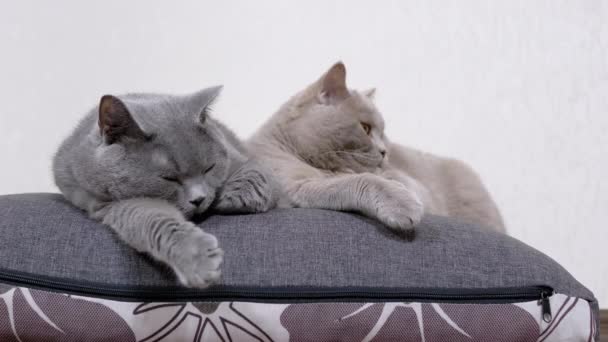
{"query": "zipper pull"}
pixel 546 306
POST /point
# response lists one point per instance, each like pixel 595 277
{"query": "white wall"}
pixel 519 89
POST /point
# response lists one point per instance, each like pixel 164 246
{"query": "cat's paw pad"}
pixel 199 262
pixel 401 209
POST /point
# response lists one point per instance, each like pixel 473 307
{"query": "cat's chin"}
pixel 197 214
pixel 188 213
pixel 359 168
pixel 370 167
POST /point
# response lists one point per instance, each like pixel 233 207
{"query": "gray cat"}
pixel 328 148
pixel 144 164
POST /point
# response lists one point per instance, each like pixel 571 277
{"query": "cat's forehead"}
pixel 152 106
pixel 186 148
pixel 164 115
pixel 364 108
pixel 148 102
pixel 177 157
pixel 162 159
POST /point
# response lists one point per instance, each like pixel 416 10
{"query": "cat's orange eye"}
pixel 366 127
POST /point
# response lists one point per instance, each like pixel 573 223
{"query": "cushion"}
pixel 299 274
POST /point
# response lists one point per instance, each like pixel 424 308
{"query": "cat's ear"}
pixel 202 102
pixel 333 84
pixel 370 93
pixel 115 121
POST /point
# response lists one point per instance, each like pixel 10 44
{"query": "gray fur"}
pixel 324 156
pixel 146 163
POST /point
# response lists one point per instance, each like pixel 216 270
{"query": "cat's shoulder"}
pixel 407 158
pixel 400 154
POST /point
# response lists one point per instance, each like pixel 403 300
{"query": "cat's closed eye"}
pixel 171 179
pixel 366 127
pixel 209 168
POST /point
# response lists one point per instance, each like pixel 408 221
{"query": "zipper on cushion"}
pixel 283 294
pixel 546 306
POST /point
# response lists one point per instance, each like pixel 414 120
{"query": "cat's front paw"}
pixel 198 260
pixel 249 192
pixel 398 207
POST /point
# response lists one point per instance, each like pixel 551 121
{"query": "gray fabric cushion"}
pixel 43 234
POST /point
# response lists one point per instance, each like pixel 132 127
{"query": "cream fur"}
pixel 318 146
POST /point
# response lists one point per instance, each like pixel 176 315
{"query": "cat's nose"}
pixel 383 153
pixel 197 201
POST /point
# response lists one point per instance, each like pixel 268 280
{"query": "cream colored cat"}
pixel 327 147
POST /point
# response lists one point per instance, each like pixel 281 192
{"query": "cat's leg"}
pixel 386 200
pixel 156 227
pixel 248 190
pixel 432 205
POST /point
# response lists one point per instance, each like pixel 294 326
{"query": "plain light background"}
pixel 518 89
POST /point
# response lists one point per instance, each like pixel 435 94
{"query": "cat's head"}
pixel 335 128
pixel 161 146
